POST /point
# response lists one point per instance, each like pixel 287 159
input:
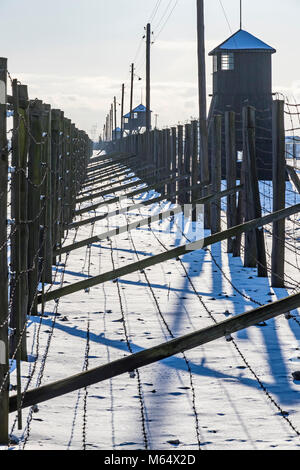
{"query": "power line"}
pixel 164 14
pixel 168 17
pixel 226 17
pixel 154 13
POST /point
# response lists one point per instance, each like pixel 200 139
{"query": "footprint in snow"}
pixel 296 376
pixel 174 443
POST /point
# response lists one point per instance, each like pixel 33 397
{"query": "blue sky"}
pixel 75 54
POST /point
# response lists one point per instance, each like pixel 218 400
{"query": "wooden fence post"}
pixel 174 160
pixel 15 264
pixel 279 175
pixel 168 159
pixel 231 176
pixel 187 162
pixel 36 207
pixel 250 252
pixel 195 165
pixel 24 229
pixel 253 194
pixel 55 154
pixel 46 188
pixel 181 184
pixel 216 173
pixel 4 364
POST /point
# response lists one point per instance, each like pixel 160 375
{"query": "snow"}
pixel 233 411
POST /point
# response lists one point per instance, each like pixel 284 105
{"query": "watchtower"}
pixel 242 75
pixel 137 121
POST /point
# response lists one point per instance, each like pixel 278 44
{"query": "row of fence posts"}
pixel 174 153
pixel 47 167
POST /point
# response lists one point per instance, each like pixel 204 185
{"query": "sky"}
pixel 75 54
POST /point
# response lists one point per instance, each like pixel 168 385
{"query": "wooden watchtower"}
pixel 136 121
pixel 242 75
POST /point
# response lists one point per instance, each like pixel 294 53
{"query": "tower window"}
pixel 215 63
pixel 227 61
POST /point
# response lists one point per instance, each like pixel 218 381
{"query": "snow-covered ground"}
pixel 224 395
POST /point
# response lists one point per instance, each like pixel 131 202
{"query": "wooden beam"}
pixel 119 174
pixel 294 177
pixel 157 353
pixel 114 189
pixel 124 210
pixel 114 200
pixel 171 254
pixel 120 187
pixel 113 163
pixel 145 221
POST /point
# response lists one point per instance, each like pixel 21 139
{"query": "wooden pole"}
pixel 15 286
pixel 171 254
pixel 4 364
pixel 231 175
pixel 204 165
pixel 173 159
pixel 168 160
pixel 148 48
pixel 36 206
pixel 115 118
pixel 216 173
pixel 195 164
pixel 122 111
pixel 279 175
pixel 47 171
pixel 187 159
pixel 157 353
pixel 131 99
pixel 181 185
pixel 24 230
pixel 253 194
pixel 250 251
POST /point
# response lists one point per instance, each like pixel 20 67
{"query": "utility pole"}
pixel 115 118
pixel 122 111
pixel 204 166
pixel 111 121
pixel 148 47
pixel 131 96
pixel 106 128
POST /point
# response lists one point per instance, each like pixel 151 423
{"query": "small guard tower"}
pixel 137 121
pixel 242 75
pixel 116 133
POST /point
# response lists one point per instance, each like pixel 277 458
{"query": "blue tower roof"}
pixel 139 109
pixel 243 41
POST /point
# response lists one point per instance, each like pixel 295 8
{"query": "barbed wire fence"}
pixel 49 157
pixel 43 163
